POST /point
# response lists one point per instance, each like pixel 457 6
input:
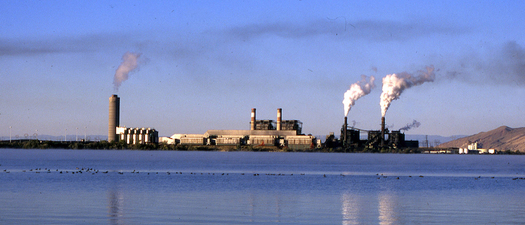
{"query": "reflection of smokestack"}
pixel 382 131
pixel 279 118
pixel 114 116
pixel 252 122
pixel 345 127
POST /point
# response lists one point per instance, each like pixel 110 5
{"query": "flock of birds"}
pixel 83 170
pixel 95 171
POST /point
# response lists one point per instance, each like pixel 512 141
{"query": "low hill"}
pixel 502 138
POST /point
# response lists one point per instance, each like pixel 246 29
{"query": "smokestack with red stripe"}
pixel 279 118
pixel 252 122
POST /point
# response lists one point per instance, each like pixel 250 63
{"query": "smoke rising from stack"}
pixel 395 84
pixel 356 91
pixel 129 63
pixel 414 124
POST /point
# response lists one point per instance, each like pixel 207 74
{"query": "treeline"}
pixel 121 145
pixel 99 145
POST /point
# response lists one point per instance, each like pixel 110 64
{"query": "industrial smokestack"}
pixel 279 118
pixel 345 128
pixel 252 122
pixel 382 131
pixel 114 117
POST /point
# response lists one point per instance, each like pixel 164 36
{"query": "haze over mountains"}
pixel 502 138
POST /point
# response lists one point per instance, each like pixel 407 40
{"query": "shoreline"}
pixel 104 145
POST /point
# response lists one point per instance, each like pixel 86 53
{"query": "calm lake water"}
pixel 172 187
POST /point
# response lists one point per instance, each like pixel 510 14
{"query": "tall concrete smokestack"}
pixel 114 117
pixel 382 131
pixel 252 122
pixel 345 128
pixel 279 118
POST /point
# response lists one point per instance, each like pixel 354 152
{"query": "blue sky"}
pixel 205 64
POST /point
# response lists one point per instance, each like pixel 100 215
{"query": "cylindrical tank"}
pixel 114 116
pixel 279 118
pixel 252 122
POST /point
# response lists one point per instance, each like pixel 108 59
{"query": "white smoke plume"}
pixel 129 63
pixel 414 124
pixel 395 84
pixel 356 91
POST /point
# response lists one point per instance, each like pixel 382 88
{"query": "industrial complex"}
pixel 350 138
pixel 280 133
pixel 128 135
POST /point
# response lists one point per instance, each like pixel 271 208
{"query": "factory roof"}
pixel 251 132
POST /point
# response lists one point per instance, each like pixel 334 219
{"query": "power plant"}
pixel 279 124
pixel 377 139
pixel 279 132
pixel 128 135
pixel 393 86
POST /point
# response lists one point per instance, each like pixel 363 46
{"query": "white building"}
pixel 475 148
pixel 189 139
pixel 167 140
pixel 137 135
pixel 288 138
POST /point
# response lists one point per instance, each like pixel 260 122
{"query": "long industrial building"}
pixel 282 133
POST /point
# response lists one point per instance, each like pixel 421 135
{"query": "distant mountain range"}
pixel 502 138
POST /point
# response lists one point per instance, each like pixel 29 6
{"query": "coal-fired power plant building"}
pixel 282 133
pixel 383 138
